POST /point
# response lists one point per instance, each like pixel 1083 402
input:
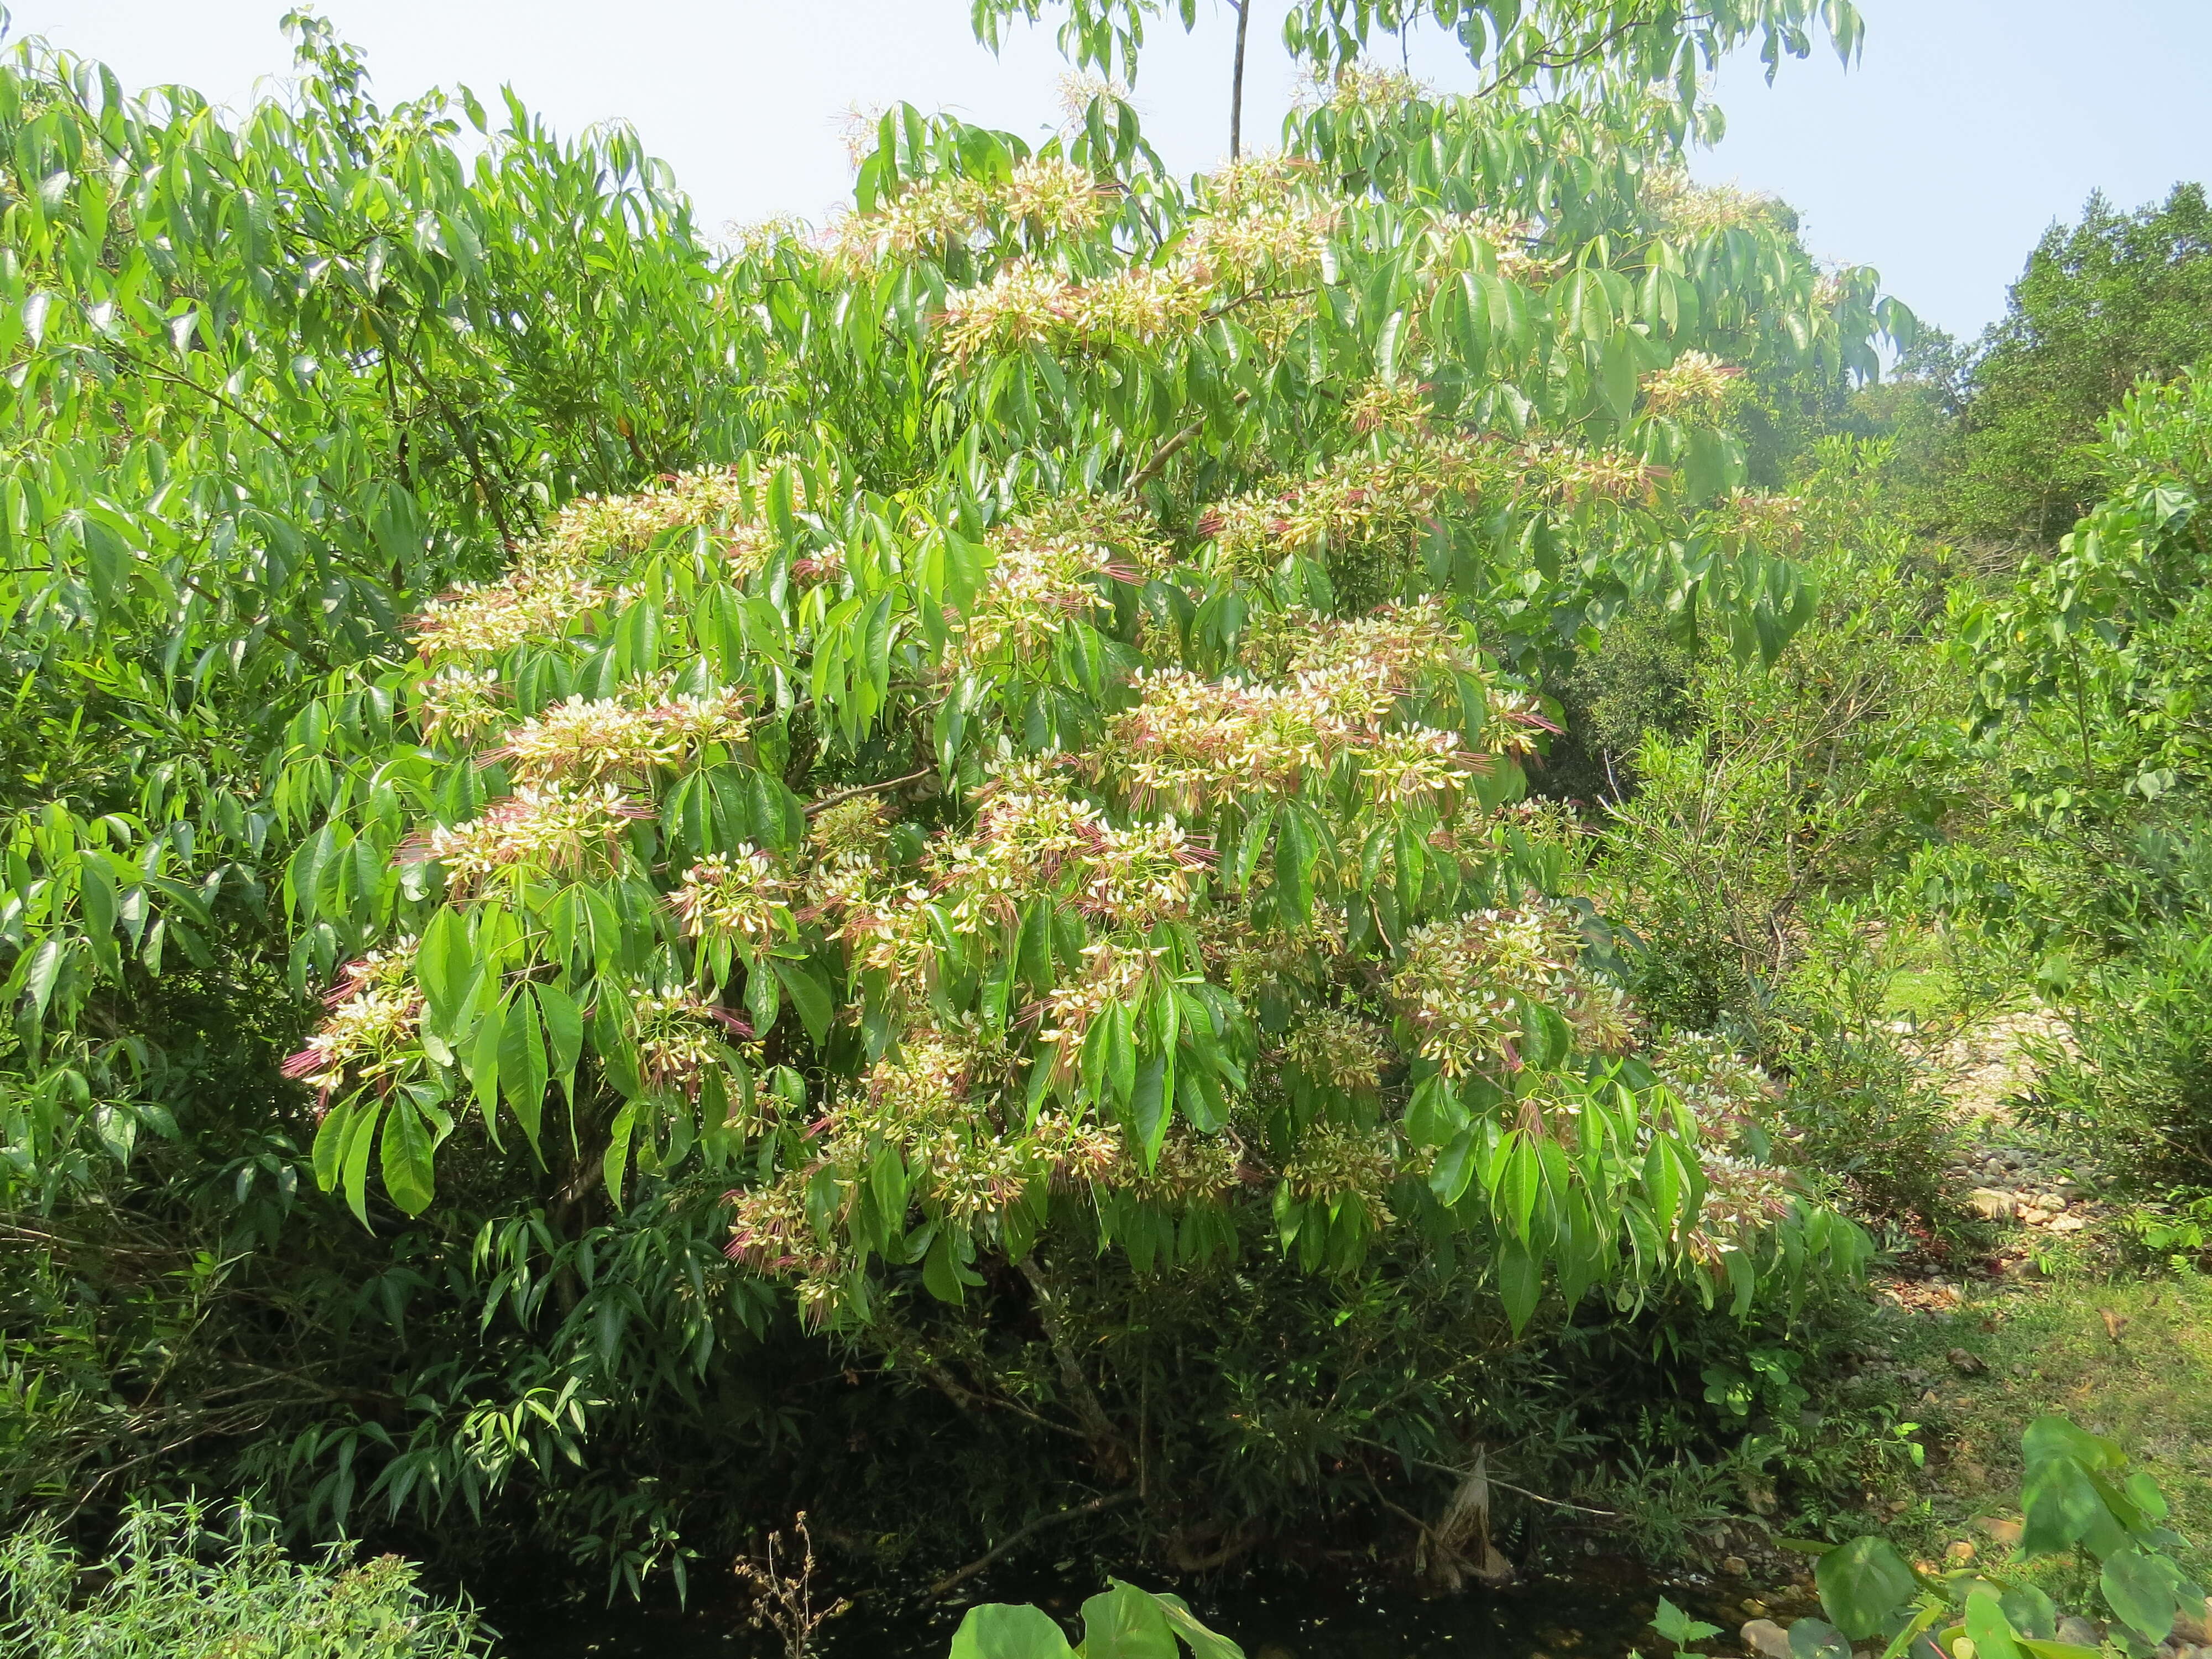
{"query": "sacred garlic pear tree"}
pixel 1064 782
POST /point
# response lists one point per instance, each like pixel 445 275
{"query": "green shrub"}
pixel 172 1586
pixel 1865 1108
pixel 2139 1086
pixel 2081 1501
pixel 1768 790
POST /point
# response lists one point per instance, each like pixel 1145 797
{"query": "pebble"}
pixel 2078 1631
pixel 1736 1566
pixel 2195 1624
pixel 1990 1204
pixel 1767 1638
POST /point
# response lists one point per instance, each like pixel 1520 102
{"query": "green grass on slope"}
pixel 2049 1348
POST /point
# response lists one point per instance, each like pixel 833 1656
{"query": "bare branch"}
pixel 1096 1506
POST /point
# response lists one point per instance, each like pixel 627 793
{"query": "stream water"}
pixel 1292 1618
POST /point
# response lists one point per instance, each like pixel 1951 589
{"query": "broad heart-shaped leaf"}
pixel 1002 1630
pixel 2032 1612
pixel 2144 1590
pixel 2047 1437
pixel 1125 1623
pixel 1862 1584
pixel 1204 1644
pixel 1987 1626
pixel 1816 1639
pixel 2062 1509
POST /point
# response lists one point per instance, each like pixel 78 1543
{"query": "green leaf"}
pixel 360 1142
pixel 2060 1509
pixel 1455 1169
pixel 1204 1644
pixel 1863 1584
pixel 1295 854
pixel 409 1176
pixel 46 968
pixel 1125 1623
pixel 817 1011
pixel 2143 1589
pixel 1000 1630
pixel 1816 1639
pixel 764 1002
pixel 328 1153
pixel 523 1072
pixel 1987 1626
pixel 564 1033
pixel 1678 1628
pixel 614 1163
pixel 484 1066
pixel 1148 1108
pixel 1520 1282
pixel 940 1276
pixel 612 1042
pixel 96 889
pixel 2030 1611
pixel 445 966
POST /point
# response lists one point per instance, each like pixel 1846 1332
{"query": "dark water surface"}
pixel 1291 1618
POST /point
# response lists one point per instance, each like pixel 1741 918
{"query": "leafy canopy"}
pixel 1080 793
pixel 2115 298
pixel 1550 46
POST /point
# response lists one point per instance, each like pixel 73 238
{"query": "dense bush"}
pixel 181 1580
pixel 2090 690
pixel 1864 1103
pixel 1775 789
pixel 834 782
pixel 2137 1084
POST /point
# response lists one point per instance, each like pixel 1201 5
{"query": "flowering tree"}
pixel 1008 765
pixel 1060 790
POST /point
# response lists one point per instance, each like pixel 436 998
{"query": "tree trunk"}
pixel 1236 80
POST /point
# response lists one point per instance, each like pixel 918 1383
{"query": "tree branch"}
pixel 1165 453
pixel 1461 1474
pixel 858 790
pixel 1096 1506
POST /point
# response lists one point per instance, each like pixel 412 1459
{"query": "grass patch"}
pixel 2049 1349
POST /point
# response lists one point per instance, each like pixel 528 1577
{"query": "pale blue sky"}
pixel 1969 127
